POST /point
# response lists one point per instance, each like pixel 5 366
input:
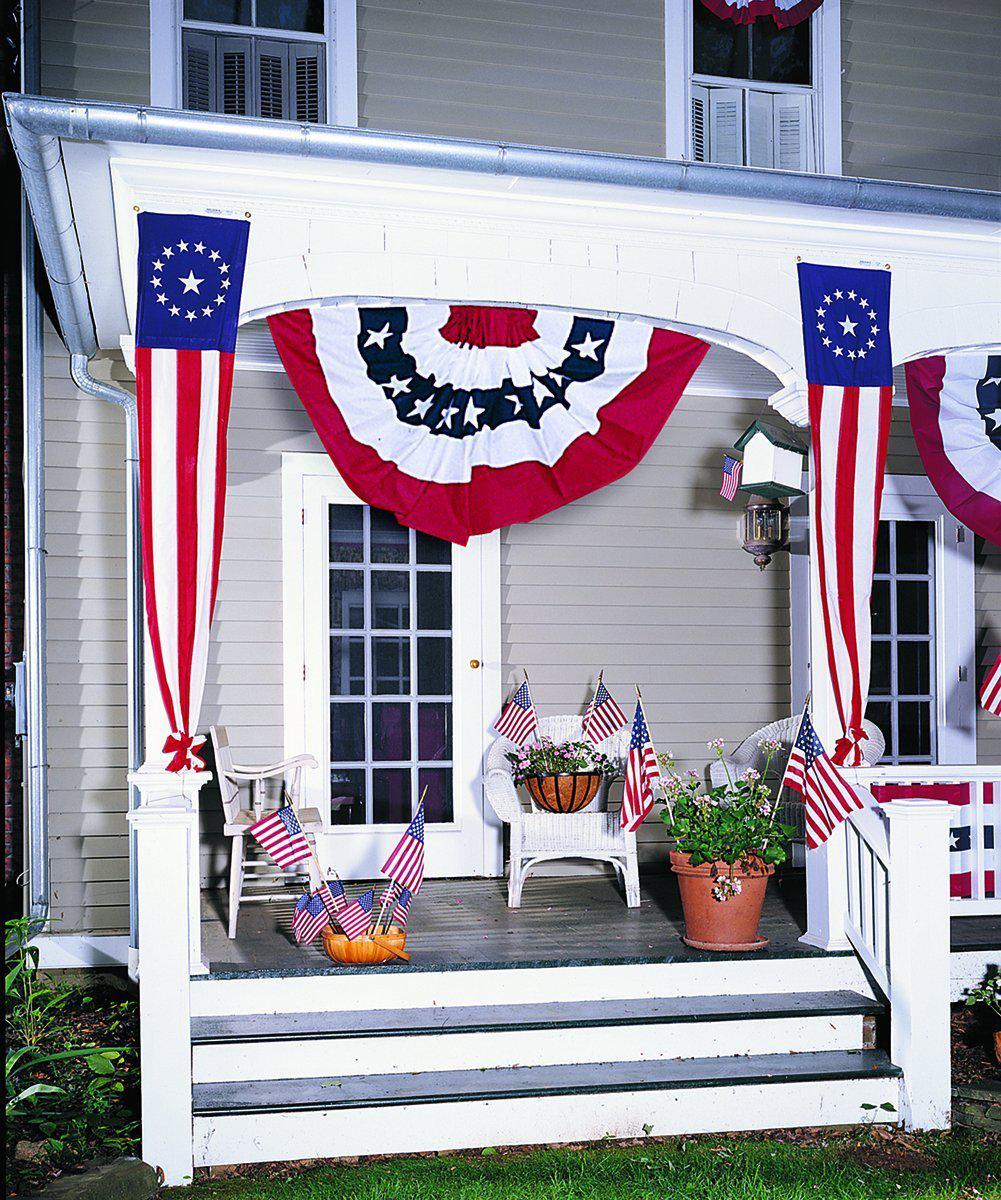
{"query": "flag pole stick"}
pixel 535 731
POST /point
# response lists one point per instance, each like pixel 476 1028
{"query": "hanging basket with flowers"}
pixel 560 777
pixel 727 844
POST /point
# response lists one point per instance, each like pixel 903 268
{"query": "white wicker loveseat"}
pixel 542 837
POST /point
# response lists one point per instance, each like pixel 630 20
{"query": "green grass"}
pixel 933 1168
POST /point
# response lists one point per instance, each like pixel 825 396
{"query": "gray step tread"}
pixel 495 1018
pixel 435 1087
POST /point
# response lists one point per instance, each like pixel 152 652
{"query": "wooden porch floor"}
pixel 563 921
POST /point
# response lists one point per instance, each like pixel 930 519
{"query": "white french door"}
pixel 392 675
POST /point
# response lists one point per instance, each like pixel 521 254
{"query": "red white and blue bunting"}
pixel 955 407
pixel 462 419
pixel 746 12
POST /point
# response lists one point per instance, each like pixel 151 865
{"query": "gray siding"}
pixel 920 98
pixel 577 73
pixel 98 49
pixel 988 560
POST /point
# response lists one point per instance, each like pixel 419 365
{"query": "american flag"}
pixel 405 865
pixel 401 913
pixel 990 692
pixel 187 309
pixel 332 895
pixel 731 477
pixel 828 798
pixel 849 369
pixel 281 836
pixel 519 718
pixel 642 773
pixel 309 918
pixel 603 716
pixel 356 917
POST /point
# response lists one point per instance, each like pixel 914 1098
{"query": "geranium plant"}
pixel 546 757
pixel 734 823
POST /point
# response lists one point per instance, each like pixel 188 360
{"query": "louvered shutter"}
pixel 700 123
pixel 308 84
pixel 272 100
pixel 726 125
pixel 234 74
pixel 793 132
pixel 198 68
pixel 760 119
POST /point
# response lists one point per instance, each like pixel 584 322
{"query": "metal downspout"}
pixel 80 372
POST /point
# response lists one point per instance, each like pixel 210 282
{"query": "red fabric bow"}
pixel 184 747
pixel 848 749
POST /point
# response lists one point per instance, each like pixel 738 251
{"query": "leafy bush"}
pixel 988 993
pixel 70 1095
pixel 546 757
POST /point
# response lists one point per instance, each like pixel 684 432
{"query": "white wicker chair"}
pixel 542 837
pixel 748 755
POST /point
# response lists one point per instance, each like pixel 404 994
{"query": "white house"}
pixel 655 165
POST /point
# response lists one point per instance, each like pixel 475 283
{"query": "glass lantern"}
pixel 764 529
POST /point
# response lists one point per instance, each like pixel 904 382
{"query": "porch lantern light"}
pixel 764 529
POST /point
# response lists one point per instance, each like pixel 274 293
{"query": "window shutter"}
pixel 793 132
pixel 726 125
pixel 198 62
pixel 308 85
pixel 272 98
pixel 235 76
pixel 700 123
pixel 760 115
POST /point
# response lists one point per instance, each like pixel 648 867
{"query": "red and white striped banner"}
pixel 190 276
pixel 746 12
pixel 990 689
pixel 850 428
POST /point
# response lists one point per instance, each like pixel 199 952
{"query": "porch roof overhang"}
pixel 348 213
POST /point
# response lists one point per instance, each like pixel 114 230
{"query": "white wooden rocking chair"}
pixel 247 873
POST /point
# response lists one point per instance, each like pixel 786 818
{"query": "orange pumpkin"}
pixel 364 951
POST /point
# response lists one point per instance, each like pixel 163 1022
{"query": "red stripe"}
pixel 189 382
pixel 845 534
pixel 226 362
pixel 144 385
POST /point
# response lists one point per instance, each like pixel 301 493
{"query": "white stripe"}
pixel 207 441
pixel 163 491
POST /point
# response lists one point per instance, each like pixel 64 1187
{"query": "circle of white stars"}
pixel 164 268
pixel 847 338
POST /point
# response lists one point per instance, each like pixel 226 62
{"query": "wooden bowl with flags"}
pixel 366 951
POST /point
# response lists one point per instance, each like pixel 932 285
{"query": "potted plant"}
pixel 989 994
pixel 727 844
pixel 560 777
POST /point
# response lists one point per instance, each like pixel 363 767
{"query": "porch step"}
pixel 325 1117
pixel 399 1041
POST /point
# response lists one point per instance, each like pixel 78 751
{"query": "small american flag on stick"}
pixel 401 913
pixel 282 837
pixel 990 692
pixel 731 477
pixel 828 798
pixel 642 773
pixel 356 917
pixel 519 718
pixel 603 716
pixel 309 918
pixel 405 865
pixel 332 895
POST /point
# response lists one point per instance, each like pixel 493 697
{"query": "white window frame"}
pixel 340 39
pixel 912 498
pixel 825 45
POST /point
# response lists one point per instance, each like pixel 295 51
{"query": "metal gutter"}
pixel 32 119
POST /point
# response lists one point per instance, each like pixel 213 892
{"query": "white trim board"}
pixel 64 951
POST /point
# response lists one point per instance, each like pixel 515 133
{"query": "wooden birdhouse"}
pixel 773 461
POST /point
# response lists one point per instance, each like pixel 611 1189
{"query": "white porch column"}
pixel 919 955
pixel 164 831
pixel 826 867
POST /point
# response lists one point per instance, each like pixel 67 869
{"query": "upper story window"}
pixel 753 101
pixel 258 58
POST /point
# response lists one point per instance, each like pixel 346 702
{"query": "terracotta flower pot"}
pixel 363 951
pixel 730 924
pixel 564 793
pixel 997 1046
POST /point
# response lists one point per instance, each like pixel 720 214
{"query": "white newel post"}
pixel 165 825
pixel 919 957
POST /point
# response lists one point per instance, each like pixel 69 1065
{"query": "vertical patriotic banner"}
pixel 189 285
pixel 849 370
pixel 990 689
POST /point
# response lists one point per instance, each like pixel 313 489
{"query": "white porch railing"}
pixel 982 814
pixel 898 922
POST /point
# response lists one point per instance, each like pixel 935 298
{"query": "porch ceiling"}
pixel 358 218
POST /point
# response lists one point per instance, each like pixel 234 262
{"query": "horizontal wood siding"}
pixel 574 73
pixel 988 560
pixel 920 92
pixel 96 49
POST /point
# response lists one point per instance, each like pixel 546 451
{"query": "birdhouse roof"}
pixel 778 437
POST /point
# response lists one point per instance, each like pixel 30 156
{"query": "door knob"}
pixel 474 663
